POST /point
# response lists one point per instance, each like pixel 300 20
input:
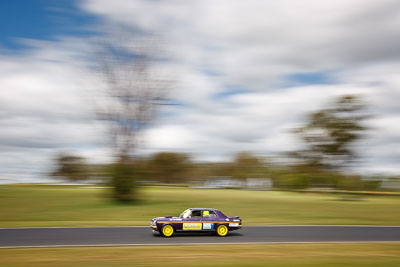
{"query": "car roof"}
pixel 202 209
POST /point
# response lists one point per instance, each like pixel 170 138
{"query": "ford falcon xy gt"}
pixel 196 219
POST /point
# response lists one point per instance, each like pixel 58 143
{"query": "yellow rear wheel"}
pixel 167 230
pixel 222 230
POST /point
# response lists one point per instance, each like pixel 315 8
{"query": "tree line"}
pixel 329 137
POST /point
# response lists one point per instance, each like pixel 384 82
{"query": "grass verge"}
pixel 52 205
pixel 215 255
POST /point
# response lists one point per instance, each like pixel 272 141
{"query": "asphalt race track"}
pixel 129 236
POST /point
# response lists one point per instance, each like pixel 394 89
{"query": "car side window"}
pixel 196 213
pixel 209 214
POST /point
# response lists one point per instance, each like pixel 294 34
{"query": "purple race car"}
pixel 197 219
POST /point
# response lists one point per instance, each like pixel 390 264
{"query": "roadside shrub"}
pixel 123 182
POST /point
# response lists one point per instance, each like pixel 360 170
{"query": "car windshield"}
pixel 185 214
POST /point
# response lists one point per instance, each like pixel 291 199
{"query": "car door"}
pixel 193 221
pixel 209 218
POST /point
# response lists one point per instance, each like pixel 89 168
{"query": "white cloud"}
pixel 45 109
pixel 253 42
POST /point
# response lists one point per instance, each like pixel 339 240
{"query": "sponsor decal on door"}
pixel 192 226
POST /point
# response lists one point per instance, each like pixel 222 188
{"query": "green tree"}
pixel 246 165
pixel 72 168
pixel 330 135
pixel 170 167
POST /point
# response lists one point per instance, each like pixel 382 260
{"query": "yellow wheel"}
pixel 167 231
pixel 222 230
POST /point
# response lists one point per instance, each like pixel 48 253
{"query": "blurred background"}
pixel 218 78
pixel 115 112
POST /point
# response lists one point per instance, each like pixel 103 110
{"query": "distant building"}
pixel 258 184
pixel 392 184
pixel 221 182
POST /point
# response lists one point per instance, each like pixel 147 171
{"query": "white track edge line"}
pixel 248 226
pixel 200 244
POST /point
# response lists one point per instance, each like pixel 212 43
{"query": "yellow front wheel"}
pixel 222 230
pixel 167 230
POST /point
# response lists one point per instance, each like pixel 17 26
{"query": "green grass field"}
pixel 55 205
pixel 216 255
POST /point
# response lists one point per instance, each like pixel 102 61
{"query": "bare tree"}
pixel 134 87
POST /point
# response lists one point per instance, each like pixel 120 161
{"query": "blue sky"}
pixel 242 84
pixel 40 19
